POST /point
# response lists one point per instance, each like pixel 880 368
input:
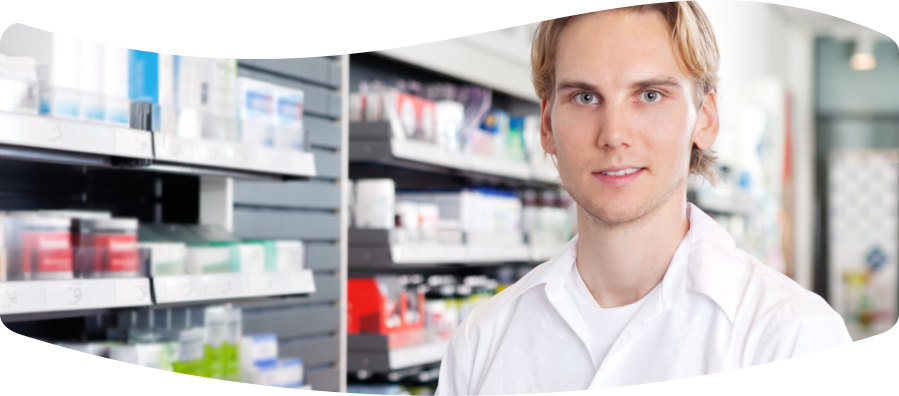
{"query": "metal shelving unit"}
pixel 48 163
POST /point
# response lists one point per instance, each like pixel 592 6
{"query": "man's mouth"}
pixel 621 172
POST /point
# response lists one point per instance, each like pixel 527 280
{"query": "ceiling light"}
pixel 863 58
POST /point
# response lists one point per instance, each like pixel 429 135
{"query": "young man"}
pixel 652 288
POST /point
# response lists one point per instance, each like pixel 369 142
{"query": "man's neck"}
pixel 622 264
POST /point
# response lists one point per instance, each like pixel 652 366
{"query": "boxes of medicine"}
pixel 380 305
pixel 258 348
pixel 166 258
pixel 38 247
pixel 289 119
pixel 257 112
pixel 375 200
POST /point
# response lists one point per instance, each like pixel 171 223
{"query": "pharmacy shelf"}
pixel 721 205
pixel 374 142
pixel 369 248
pixel 73 137
pixel 374 357
pixel 29 297
pixel 37 138
pixel 173 149
pixel 228 286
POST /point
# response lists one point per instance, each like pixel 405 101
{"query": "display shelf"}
pixel 232 156
pixel 27 297
pixel 369 353
pixel 74 136
pixel 372 248
pixel 193 288
pixel 722 205
pixel 374 142
pixel 76 142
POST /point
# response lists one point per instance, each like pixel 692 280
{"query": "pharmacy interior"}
pixel 326 223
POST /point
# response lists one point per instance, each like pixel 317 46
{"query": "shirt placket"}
pixel 652 309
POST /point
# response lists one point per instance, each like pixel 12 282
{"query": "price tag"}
pixel 43 131
pixel 301 282
pixel 132 291
pixel 181 289
pixel 9 297
pixel 65 295
pixel 219 286
pixel 132 142
pixel 11 127
pixel 262 284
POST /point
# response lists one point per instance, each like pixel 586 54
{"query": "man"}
pixel 652 288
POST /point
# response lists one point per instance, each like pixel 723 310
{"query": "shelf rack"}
pixel 75 142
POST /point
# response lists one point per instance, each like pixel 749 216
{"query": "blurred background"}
pixel 328 222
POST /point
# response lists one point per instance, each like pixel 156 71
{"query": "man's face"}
pixel 622 118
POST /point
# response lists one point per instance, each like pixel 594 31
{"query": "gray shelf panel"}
pixel 373 362
pixel 315 70
pixel 301 195
pixel 323 132
pixel 327 164
pixel 314 352
pixel 316 100
pixel 286 224
pixel 322 256
pixel 293 322
pixel 324 380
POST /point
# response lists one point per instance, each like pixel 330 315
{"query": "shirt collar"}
pixel 705 262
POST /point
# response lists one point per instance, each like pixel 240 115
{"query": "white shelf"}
pixel 20 297
pixel 74 136
pixel 234 156
pixel 431 154
pixel 416 355
pixel 188 288
pixel 417 254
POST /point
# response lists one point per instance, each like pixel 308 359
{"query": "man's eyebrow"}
pixel 643 84
pixel 576 85
pixel 655 82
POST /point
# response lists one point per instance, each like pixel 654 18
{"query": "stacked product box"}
pixel 49 245
pixel 204 249
pixel 270 115
pixel 210 350
pixel 381 305
pixel 260 363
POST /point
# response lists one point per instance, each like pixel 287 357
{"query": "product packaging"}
pixel 154 355
pixel 450 118
pixel 60 87
pixel 191 355
pixel 289 119
pixel 38 247
pixel 91 79
pixel 18 85
pixel 216 350
pixel 375 200
pixel 166 258
pixel 257 112
pixel 258 348
pixel 115 85
pixel 380 304
pixel 106 248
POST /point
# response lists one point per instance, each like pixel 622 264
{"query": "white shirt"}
pixel 603 325
pixel 716 309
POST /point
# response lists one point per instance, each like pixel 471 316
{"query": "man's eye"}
pixel 585 98
pixel 650 96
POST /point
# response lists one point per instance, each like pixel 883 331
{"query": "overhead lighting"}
pixel 863 58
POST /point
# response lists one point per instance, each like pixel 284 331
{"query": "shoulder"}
pixel 782 317
pixel 768 289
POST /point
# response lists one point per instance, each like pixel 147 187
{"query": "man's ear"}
pixel 546 131
pixel 706 130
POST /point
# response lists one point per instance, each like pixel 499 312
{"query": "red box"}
pixel 380 305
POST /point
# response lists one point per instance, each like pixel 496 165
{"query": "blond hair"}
pixel 695 51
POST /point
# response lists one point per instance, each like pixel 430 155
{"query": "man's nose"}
pixel 615 128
